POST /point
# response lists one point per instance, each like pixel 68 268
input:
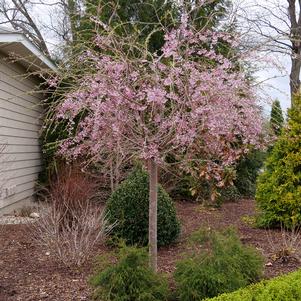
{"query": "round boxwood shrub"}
pixel 128 205
pixel 129 279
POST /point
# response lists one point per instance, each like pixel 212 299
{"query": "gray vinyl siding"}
pixel 20 123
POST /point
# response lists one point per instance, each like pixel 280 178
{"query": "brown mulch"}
pixel 27 272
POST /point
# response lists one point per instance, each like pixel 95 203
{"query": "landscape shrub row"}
pixel 225 266
pixel 283 288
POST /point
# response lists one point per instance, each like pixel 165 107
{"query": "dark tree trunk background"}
pixel 295 39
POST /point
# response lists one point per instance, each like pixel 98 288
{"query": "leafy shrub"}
pixel 240 181
pixel 279 186
pixel 227 194
pixel 225 266
pixel 192 187
pixel 283 288
pixel 202 190
pixel 129 279
pixel 129 206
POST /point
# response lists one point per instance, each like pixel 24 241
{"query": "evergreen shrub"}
pixel 129 206
pixel 279 186
pixel 130 279
pixel 283 288
pixel 224 266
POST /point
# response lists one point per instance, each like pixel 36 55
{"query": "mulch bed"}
pixel 28 272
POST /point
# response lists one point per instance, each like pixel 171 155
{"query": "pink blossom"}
pixel 171 103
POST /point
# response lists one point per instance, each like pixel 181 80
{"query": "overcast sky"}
pixel 274 76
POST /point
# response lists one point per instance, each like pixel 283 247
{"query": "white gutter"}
pixel 20 38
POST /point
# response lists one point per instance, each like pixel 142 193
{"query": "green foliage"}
pixel 249 220
pixel 279 186
pixel 145 18
pixel 277 119
pixel 194 187
pixel 129 279
pixel 141 18
pixel 129 206
pixel 227 194
pixel 224 266
pixel 283 288
pixel 247 171
pixel 243 179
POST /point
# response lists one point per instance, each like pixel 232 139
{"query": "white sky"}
pixel 275 75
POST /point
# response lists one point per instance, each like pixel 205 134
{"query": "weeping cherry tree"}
pixel 183 99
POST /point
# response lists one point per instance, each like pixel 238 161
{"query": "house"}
pixel 20 118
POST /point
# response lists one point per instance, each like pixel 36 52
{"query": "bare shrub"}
pixel 25 211
pixel 70 192
pixel 71 241
pixel 288 246
pixel 71 225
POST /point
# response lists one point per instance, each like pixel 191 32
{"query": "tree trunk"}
pixel 295 76
pixel 295 38
pixel 153 208
pixel 73 19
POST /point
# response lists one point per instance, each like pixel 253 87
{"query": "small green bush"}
pixel 279 186
pixel 130 279
pixel 226 265
pixel 129 206
pixel 247 171
pixel 227 194
pixel 283 288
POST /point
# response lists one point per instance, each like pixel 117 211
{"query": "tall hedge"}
pixel 279 186
pixel 129 204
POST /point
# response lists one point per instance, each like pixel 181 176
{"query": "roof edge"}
pixel 17 37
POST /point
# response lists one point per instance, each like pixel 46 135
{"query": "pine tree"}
pixel 146 18
pixel 277 119
pixel 279 186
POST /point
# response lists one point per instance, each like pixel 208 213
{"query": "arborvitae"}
pixel 279 186
pixel 277 119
